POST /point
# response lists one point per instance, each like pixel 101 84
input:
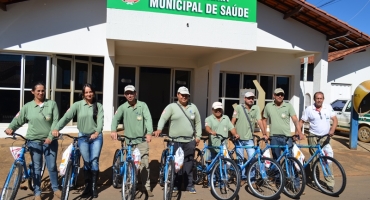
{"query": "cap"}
pixel 249 94
pixel 217 105
pixel 130 88
pixel 183 90
pixel 279 90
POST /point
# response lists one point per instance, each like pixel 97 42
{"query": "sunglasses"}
pixel 249 98
pixel 280 94
pixel 320 114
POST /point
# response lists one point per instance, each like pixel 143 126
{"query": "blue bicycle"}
pixel 295 176
pixel 123 169
pixel 73 166
pixel 223 172
pixel 265 175
pixel 327 173
pixel 18 172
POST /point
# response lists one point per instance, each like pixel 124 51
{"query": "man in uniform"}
pixel 184 121
pixel 137 122
pixel 319 115
pixel 245 126
pixel 218 123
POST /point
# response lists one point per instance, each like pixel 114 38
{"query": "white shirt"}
pixel 319 121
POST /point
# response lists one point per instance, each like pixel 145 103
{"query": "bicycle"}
pixel 30 182
pixel 265 176
pixel 329 167
pixel 73 166
pixel 18 172
pixel 124 170
pixel 295 176
pixel 221 170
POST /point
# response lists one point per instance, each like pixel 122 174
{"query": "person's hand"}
pixel 148 138
pixel 113 135
pixel 197 142
pixel 266 137
pixel 213 133
pixel 47 141
pixel 331 133
pixel 236 136
pixel 55 133
pixel 94 136
pixel 9 131
pixel 157 133
pixel 300 134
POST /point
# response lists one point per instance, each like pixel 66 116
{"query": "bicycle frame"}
pixel 317 153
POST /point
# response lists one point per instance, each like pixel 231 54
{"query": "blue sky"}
pixel 354 12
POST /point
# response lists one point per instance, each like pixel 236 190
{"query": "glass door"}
pixel 180 78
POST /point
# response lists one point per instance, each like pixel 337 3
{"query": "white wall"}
pixel 58 26
pixel 354 69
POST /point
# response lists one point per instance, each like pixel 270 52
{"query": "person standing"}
pixel 218 123
pixel 244 118
pixel 181 114
pixel 319 116
pixel 90 119
pixel 137 122
pixel 42 115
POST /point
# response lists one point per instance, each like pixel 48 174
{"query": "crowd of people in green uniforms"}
pixel 44 125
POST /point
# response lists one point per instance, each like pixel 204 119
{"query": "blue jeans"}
pixel 50 151
pixel 250 152
pixel 90 151
pixel 276 152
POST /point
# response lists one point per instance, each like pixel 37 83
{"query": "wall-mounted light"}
pixel 126 80
pixel 181 82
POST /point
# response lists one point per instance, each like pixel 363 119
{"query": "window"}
pixel 348 109
pixel 309 72
pixel 338 105
pixel 10 71
pixel 267 83
pixel 63 74
pixel 283 83
pixel 232 85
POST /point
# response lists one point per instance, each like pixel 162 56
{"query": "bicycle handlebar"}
pixel 72 137
pixel 16 134
pixel 174 138
pixel 122 138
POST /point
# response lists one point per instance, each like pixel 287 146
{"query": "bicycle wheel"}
pixel 116 177
pixel 76 169
pixel 265 178
pixel 30 168
pixel 169 177
pixel 225 173
pixel 295 177
pixel 12 182
pixel 329 175
pixel 67 181
pixel 161 167
pixel 198 166
pixel 129 181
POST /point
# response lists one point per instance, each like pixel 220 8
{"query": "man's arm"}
pixel 297 125
pixel 262 127
pixel 233 121
pixel 334 125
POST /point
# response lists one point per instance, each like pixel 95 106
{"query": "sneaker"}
pixel 150 194
pixel 58 194
pixel 175 189
pixel 254 186
pixel 330 188
pixel 38 197
pixel 192 191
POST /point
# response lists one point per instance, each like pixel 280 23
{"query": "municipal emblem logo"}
pixel 130 2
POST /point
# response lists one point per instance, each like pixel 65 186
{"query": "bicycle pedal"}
pixel 23 188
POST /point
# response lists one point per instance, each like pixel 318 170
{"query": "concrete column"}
pixel 200 90
pixel 213 85
pixel 320 73
pixel 108 89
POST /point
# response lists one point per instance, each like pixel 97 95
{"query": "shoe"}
pixel 175 189
pixel 58 194
pixel 254 186
pixel 87 176
pixel 330 188
pixel 94 189
pixel 38 197
pixel 242 182
pixel 192 191
pixel 150 194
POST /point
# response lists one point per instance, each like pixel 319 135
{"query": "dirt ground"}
pixel 340 145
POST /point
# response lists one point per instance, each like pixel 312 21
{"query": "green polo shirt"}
pixel 41 119
pixel 85 120
pixel 279 118
pixel 221 127
pixel 137 121
pixel 179 123
pixel 242 125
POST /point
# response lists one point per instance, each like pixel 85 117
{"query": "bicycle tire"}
pixel 232 175
pixel 67 181
pixel 30 180
pixel 116 178
pixel 198 166
pixel 76 168
pixel 161 167
pixel 15 172
pixel 129 185
pixel 274 181
pixel 336 166
pixel 169 181
pixel 296 173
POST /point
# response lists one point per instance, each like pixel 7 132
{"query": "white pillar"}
pixel 108 89
pixel 320 72
pixel 200 90
pixel 213 84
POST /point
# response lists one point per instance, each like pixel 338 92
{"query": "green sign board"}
pixel 238 10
